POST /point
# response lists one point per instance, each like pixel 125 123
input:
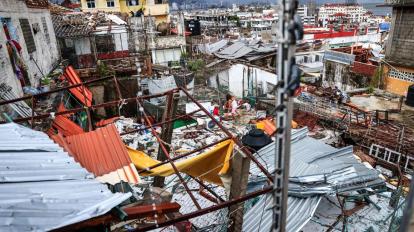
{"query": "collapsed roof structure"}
pixel 42 187
pixel 317 170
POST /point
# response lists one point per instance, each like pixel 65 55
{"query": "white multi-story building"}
pixel 306 16
pixel 354 12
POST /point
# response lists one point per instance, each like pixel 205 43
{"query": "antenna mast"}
pixel 288 74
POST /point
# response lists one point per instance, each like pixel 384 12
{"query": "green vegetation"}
pixel 195 65
pixel 103 69
pixel 46 80
pixel 376 78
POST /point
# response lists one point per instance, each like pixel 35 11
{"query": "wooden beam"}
pixel 133 212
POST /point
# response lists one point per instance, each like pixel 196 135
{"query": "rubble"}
pixel 154 123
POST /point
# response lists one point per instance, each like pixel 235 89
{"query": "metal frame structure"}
pixel 219 202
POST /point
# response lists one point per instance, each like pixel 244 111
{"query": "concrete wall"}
pixel 46 53
pixel 396 85
pixel 165 55
pixel 337 74
pixel 236 80
pixel 400 47
pixel 170 41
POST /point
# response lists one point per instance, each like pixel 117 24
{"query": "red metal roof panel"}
pixel 103 153
pixel 82 93
pixel 65 126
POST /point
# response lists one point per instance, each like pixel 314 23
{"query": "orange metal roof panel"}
pixel 103 153
pixel 65 126
pixel 82 93
pixel 105 122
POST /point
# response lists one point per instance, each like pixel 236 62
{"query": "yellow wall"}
pixel 159 11
pixel 395 85
pixel 127 9
pixel 100 5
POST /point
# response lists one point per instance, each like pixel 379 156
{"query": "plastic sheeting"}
pixel 207 166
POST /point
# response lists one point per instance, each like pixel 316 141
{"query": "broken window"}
pixel 28 36
pixel 104 43
pixel 45 30
pixel 90 3
pixel 110 3
pixel 132 2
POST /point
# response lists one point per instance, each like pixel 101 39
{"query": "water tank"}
pixel 163 28
pixel 193 26
pixel 410 96
pixel 384 26
pixel 256 139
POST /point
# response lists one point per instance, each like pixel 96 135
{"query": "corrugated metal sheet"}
pixel 20 107
pixel 103 153
pixel 339 57
pixel 234 51
pixel 83 94
pixel 300 211
pixel 66 127
pixel 14 137
pixel 320 168
pixel 316 169
pixel 43 188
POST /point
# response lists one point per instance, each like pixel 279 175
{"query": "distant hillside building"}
pixel 399 53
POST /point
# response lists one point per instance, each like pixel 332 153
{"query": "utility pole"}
pixel 288 74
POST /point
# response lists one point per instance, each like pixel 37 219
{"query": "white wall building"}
pixel 28 44
pixel 355 12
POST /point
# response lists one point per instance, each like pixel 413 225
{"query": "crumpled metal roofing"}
pixel 103 153
pixel 213 47
pixel 340 57
pixel 42 187
pixel 241 50
pixel 316 169
pixel 65 126
pixel 300 211
pixel 234 51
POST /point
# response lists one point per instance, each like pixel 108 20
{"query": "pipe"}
pixel 55 90
pixel 105 104
pixel 159 124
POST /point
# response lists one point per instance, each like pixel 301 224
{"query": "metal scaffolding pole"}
pixel 288 76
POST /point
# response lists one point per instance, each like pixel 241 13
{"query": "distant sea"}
pixel 377 10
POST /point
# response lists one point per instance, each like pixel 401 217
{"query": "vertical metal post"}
pixel 288 78
pixel 164 149
pixel 167 130
pixel 33 111
pixel 118 91
pixel 87 109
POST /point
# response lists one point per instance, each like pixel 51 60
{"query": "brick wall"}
pixel 400 47
pixel 367 70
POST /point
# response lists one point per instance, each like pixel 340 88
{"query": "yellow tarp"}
pixel 206 166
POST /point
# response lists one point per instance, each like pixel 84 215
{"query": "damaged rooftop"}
pixel 155 116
